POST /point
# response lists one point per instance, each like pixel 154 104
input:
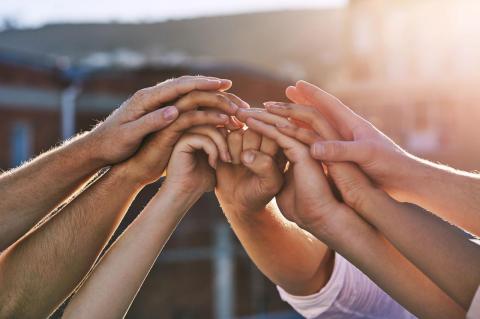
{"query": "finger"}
pixel 251 140
pixel 268 146
pixel 153 121
pixel 262 115
pixel 293 149
pixel 265 168
pixel 330 106
pixel 306 136
pixel 217 137
pixel 234 141
pixel 191 143
pixel 341 151
pixel 204 99
pixel 307 114
pixel 296 97
pixel 152 98
pixel 238 101
pixel 195 118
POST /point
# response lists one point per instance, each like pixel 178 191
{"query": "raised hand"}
pixel 342 229
pixel 449 193
pixel 253 178
pixel 358 141
pixel 121 134
pixel 150 161
pixel 105 294
pixel 194 159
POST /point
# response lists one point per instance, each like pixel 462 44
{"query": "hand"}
pixel 121 134
pixel 314 201
pixel 150 161
pixel 359 141
pixel 191 168
pixel 253 178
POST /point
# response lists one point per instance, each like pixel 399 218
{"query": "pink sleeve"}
pixel 348 294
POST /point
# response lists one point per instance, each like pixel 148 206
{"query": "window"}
pixel 20 143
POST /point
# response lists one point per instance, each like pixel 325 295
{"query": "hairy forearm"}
pixel 440 250
pixel 452 194
pixel 38 272
pixel 113 284
pixel 33 190
pixel 366 248
pixel 289 256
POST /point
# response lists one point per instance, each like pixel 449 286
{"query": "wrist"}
pixel 242 213
pixel 88 151
pixel 183 200
pixel 129 176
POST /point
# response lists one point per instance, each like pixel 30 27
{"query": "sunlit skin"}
pixel 459 275
pixel 285 253
pixel 50 179
pixel 341 228
pixel 113 284
pixel 449 193
pixel 42 269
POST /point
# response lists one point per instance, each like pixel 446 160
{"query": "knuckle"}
pixel 332 149
pixel 141 95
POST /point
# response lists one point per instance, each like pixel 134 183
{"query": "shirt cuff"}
pixel 474 311
pixel 314 305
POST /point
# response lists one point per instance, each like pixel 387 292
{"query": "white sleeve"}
pixel 348 294
pixel 474 311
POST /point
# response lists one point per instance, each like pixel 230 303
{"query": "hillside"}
pixel 298 43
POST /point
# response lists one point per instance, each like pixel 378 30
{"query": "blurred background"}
pixel 410 66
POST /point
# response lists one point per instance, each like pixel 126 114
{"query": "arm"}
pixel 289 256
pixel 395 220
pixel 30 192
pixel 113 284
pixel 450 193
pixel 70 241
pixel 454 265
pixel 38 272
pixel 346 232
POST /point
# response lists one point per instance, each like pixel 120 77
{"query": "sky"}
pixel 33 13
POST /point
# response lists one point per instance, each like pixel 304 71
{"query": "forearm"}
pixel 452 194
pixel 289 256
pixel 368 250
pixel 113 284
pixel 440 250
pixel 38 272
pixel 33 190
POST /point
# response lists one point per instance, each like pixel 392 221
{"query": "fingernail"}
pixel 214 81
pixel 275 105
pixel 318 149
pixel 170 113
pixel 227 157
pixel 237 123
pixel 282 125
pixel 248 157
pixel 213 165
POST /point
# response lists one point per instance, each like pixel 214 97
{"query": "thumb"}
pixel 265 168
pixel 340 151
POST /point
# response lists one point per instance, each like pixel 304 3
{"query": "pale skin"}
pixel 288 255
pixel 42 269
pixel 114 283
pixel 36 188
pixel 454 265
pixel 342 229
pixel 450 193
